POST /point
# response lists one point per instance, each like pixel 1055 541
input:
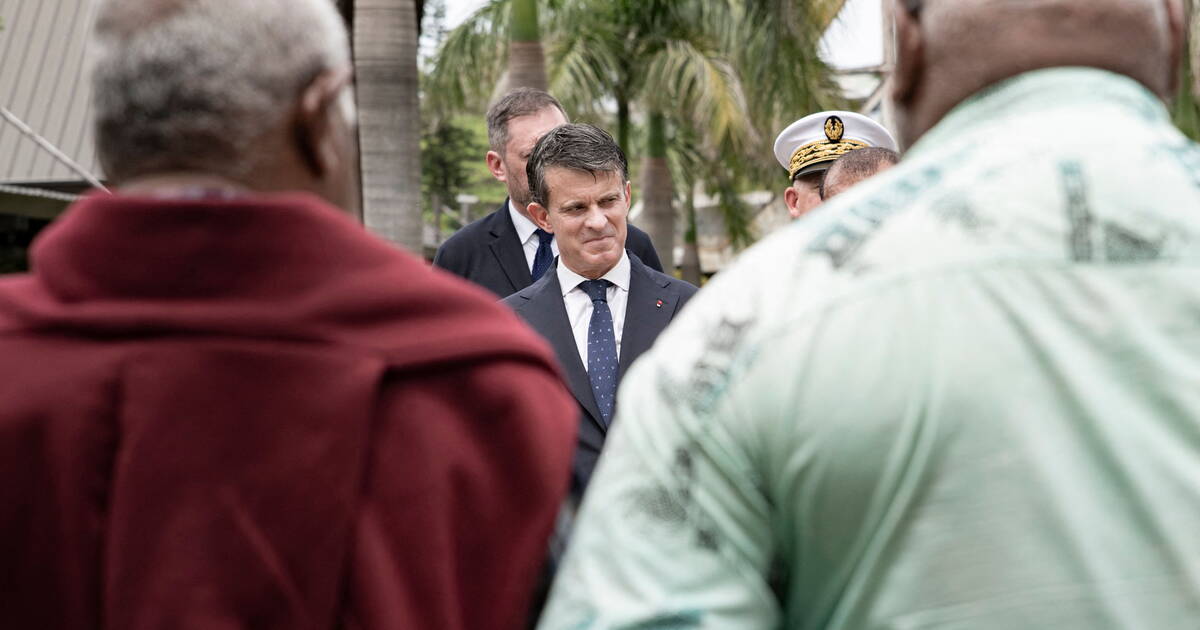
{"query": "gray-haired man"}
pixel 601 307
pixel 209 382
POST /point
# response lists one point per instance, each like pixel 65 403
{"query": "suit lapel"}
pixel 507 248
pixel 644 318
pixel 547 314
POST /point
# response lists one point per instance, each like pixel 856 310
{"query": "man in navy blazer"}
pixel 600 307
pixel 502 251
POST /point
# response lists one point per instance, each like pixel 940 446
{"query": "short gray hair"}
pixel 856 166
pixel 580 147
pixel 193 84
pixel 517 103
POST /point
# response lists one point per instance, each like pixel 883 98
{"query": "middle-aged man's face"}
pixel 803 195
pixel 587 215
pixel 523 134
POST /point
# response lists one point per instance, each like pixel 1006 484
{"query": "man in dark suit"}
pixel 600 307
pixel 505 251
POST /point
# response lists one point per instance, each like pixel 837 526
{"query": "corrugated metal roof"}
pixel 43 82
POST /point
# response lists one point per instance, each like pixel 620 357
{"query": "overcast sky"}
pixel 854 40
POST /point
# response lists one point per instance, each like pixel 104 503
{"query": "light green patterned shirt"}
pixel 965 394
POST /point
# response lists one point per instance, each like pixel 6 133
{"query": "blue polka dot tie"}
pixel 602 349
pixel 544 256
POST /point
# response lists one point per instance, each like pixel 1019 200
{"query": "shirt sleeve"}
pixel 675 529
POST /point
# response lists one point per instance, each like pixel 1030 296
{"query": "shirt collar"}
pixel 619 275
pixel 525 227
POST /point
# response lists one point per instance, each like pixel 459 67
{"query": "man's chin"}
pixel 602 249
pixel 606 259
pixel 594 264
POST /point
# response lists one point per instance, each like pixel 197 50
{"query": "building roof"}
pixel 43 82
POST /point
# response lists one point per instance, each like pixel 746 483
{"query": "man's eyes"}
pixel 607 202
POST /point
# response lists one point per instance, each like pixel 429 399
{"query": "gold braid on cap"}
pixel 827 150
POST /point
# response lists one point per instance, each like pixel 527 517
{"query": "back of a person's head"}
pixel 948 50
pixel 193 85
pixel 855 167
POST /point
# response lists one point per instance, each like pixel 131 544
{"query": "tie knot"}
pixel 596 289
pixel 544 237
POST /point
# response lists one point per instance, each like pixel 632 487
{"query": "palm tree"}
pixel 729 72
pixel 385 55
pixel 527 61
pixel 680 64
pixel 1186 108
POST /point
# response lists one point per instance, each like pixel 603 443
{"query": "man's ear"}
pixel 540 216
pixel 495 164
pixel 628 196
pixel 315 130
pixel 791 197
pixel 910 53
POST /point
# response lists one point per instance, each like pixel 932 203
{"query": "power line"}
pixel 50 148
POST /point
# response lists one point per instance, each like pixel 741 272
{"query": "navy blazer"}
pixel 488 253
pixel 541 306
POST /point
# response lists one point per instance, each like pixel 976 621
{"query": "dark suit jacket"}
pixel 541 305
pixel 488 253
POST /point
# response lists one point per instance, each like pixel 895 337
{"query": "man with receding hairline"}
pixel 223 404
pixel 854 168
pixel 963 395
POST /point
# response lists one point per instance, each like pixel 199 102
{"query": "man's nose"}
pixel 595 218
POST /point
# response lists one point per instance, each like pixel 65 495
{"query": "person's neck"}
pixel 522 209
pixel 181 184
pixel 946 89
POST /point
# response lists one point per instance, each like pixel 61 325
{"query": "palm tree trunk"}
pixel 690 267
pixel 1193 7
pixel 526 59
pixel 658 191
pixel 385 55
pixel 437 220
pixel 623 122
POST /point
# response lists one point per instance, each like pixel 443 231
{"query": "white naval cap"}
pixel 813 142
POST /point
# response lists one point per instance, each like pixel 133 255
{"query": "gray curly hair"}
pixel 193 84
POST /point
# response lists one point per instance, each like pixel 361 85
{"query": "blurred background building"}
pixel 46 152
pixel 47 155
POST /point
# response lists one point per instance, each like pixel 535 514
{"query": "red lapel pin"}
pixel 660 304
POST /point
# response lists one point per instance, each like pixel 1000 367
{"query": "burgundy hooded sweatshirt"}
pixel 249 413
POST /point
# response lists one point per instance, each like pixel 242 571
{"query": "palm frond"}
pixel 584 66
pixel 705 86
pixel 471 61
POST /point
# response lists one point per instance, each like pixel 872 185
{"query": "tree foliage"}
pixel 448 147
pixel 725 75
pixel 1185 109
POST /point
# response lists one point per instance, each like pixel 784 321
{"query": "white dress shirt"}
pixel 525 232
pixel 579 305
